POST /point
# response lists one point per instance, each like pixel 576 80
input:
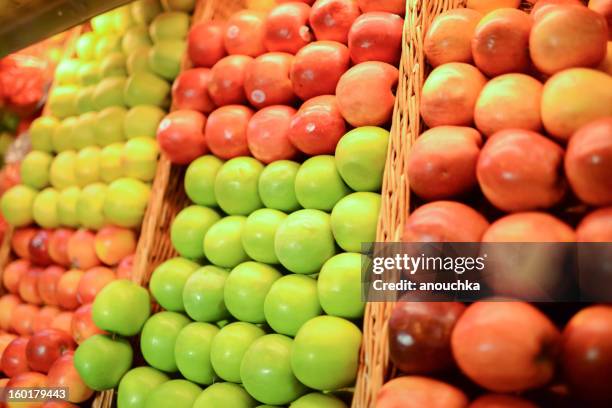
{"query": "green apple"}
pixel 137 384
pixel 236 186
pixel 62 138
pixel 325 353
pixel 41 133
pixel 354 220
pixel 110 162
pixel 66 72
pixel 62 101
pixel 138 60
pixel 62 172
pixel 360 157
pixel 304 241
pixel 86 46
pixel 107 44
pixel 87 167
pixel 85 99
pixel 277 186
pixel 228 348
pixel 67 206
pixel 200 180
pixel 84 134
pixel 139 158
pixel 122 307
pixel 223 242
pixel 144 11
pixel 318 184
pixel 103 24
pixel 135 37
pixel 318 400
pixel 222 394
pixel 203 294
pixel 246 289
pixel 291 302
pixel 34 169
pixel 90 206
pixel 142 121
pixel 259 232
pixel 165 58
pixel 145 88
pixel 89 73
pixel 192 352
pixel 113 65
pixel 109 93
pixel 171 25
pixel 158 339
pixel 339 286
pixel 109 125
pixel 266 371
pixel 126 201
pixel 189 228
pixel 168 282
pixel 17 205
pixel 122 19
pixel 101 361
pixel 173 394
pixel 44 208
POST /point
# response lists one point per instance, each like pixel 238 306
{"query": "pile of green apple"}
pixel 94 156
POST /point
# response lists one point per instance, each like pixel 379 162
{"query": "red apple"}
pixel 603 7
pixel 92 282
pixel 366 93
pixel 529 227
pixel 14 359
pixel 586 355
pixel 596 227
pixel 8 303
pixel 501 401
pixel 506 346
pixel 428 325
pixel 205 43
pixel 5 340
pixel 23 318
pixel 47 284
pixel 226 131
pixel 520 170
pixel 588 162
pixel 267 134
pixel 125 267
pixel 46 346
pixel 376 36
pixel 286 28
pixel 190 90
pixel 419 392
pixel 58 246
pixel 112 244
pixel 267 80
pixel 82 326
pixel 181 136
pixel 331 20
pixel 11 276
pixel 67 289
pixel 44 318
pixel 63 374
pixel 444 221
pixel 391 6
pixel 20 241
pixel 317 126
pixel 226 85
pixel 28 379
pixel 542 7
pixel 81 250
pixel 442 162
pixel 39 248
pixel 245 33
pixel 63 321
pixel 318 67
pixel 28 286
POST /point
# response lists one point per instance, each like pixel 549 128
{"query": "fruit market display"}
pixel 518 148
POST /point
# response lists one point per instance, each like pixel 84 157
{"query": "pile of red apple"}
pixel 519 149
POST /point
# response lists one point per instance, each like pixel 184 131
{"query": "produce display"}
pixel 518 107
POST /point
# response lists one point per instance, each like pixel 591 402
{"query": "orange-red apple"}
pixel 20 241
pixel 58 246
pixel 8 303
pixel 205 43
pixel 286 28
pixel 181 136
pixel 63 374
pixel 419 392
pixel 226 86
pixel 81 250
pixel 226 131
pixel 331 20
pixel 47 284
pixel 267 80
pixel 449 38
pixel 92 282
pixel 596 227
pixel 11 276
pixel 28 286
pixel 245 33
pixel 112 244
pixel 22 318
pixel 82 326
pixel 376 36
pixel 268 134
pixel 529 227
pixel 67 289
pixel 190 90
